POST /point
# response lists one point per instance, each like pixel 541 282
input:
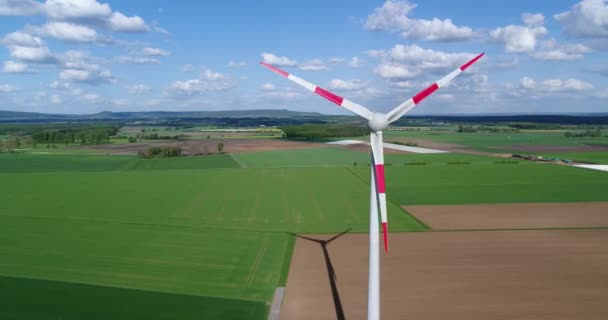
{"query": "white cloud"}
pixel 588 18
pixel 209 81
pixel 23 39
pixel 78 66
pixel 355 62
pixel 56 99
pixel 66 31
pixel 348 85
pixel 533 19
pixel 161 30
pixel 20 7
pixel 120 102
pixel 76 9
pixel 395 71
pixel 120 22
pixel 527 83
pixel 397 16
pixel 551 50
pixel 336 60
pixel 554 85
pixel 7 88
pixel 268 87
pixel 313 65
pixel 138 89
pixel 236 64
pixel 518 38
pixel 92 98
pixel 136 60
pixel 32 54
pixel 15 67
pixel 273 59
pixel 59 85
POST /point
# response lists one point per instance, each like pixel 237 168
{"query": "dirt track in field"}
pixel 512 215
pixel 469 275
pixel 210 146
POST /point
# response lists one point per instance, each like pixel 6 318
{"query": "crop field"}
pixel 209 237
pixel 22 162
pixel 599 157
pixel 498 141
pixel 340 156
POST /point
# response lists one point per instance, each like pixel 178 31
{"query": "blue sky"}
pixel 86 56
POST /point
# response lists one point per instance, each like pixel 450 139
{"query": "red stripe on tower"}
pixel 380 184
pixel 468 64
pixel 275 69
pixel 329 96
pixel 425 93
pixel 385 235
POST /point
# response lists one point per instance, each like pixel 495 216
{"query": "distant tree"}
pixel 220 147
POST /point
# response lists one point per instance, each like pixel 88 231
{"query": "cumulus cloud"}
pixel 20 7
pixel 23 39
pixel 397 16
pixel 273 59
pixel 313 65
pixel 57 85
pixel 208 81
pixel 405 62
pixel 533 19
pixel 516 38
pixel 347 85
pixel 588 18
pixel 31 54
pixel 66 31
pixel 78 66
pixel 551 50
pixel 15 67
pixel 554 85
pixel 120 22
pixel 76 9
pixel 336 60
pixel 7 88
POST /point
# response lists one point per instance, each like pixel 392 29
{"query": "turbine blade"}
pixel 347 104
pixel 378 163
pixel 403 108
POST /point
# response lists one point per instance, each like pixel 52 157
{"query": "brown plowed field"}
pixel 210 146
pixel 469 275
pixel 512 215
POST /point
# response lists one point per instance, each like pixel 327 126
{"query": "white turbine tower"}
pixel 377 122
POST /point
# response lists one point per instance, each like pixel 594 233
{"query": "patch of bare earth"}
pixel 512 215
pixel 210 146
pixel 549 148
pixel 469 275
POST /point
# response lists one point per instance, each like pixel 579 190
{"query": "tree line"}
pixel 319 131
pixel 84 134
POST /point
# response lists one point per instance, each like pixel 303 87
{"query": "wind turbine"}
pixel 377 122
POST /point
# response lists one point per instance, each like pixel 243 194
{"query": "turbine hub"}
pixel 378 122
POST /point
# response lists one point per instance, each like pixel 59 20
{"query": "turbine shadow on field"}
pixel 331 273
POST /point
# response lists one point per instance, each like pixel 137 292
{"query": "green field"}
pixel 600 157
pixel 497 141
pixel 23 162
pixel 201 237
pixel 339 156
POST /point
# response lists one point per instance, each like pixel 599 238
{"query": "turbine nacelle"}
pixel 378 122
